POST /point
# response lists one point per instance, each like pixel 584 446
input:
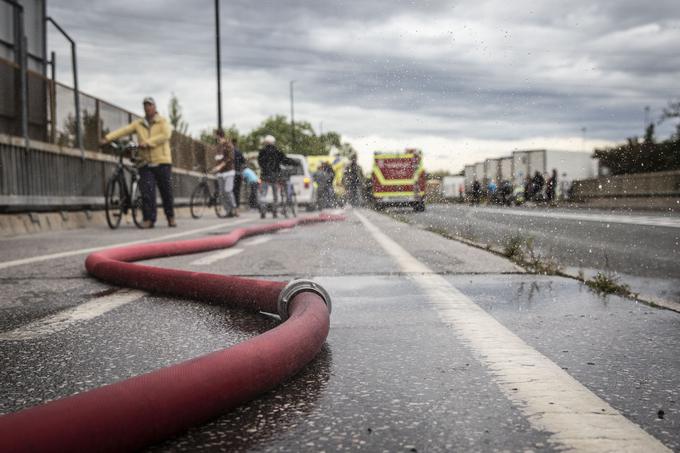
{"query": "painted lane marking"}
pixel 602 218
pixel 213 257
pixel 52 256
pixel 66 318
pixel 550 398
pixel 256 241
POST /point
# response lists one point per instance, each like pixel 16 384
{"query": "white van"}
pixel 301 179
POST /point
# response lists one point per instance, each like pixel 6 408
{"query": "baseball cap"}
pixel 148 100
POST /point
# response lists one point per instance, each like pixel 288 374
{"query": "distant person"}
pixel 155 161
pixel 251 180
pixel 270 159
pixel 538 183
pixel 476 191
pixel 239 165
pixel 324 177
pixel 505 192
pixel 528 188
pixel 225 170
pixel 352 180
pixel 551 187
pixel 491 189
pixel 565 188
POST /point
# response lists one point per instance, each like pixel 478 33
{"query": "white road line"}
pixel 550 398
pixel 66 318
pixel 213 257
pixel 671 222
pixel 52 256
pixel 256 241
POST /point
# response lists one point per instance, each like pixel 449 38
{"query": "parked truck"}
pixel 398 179
pixel 570 165
pixel 453 187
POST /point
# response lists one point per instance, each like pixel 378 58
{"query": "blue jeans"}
pixel 149 178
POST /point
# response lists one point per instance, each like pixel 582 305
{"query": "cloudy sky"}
pixel 463 80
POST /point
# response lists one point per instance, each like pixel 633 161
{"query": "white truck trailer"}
pixel 491 169
pixel 505 169
pixel 470 176
pixel 453 187
pixel 570 165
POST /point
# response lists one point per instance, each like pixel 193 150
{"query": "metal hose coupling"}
pixel 295 287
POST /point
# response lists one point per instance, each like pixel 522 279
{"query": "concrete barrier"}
pixel 658 191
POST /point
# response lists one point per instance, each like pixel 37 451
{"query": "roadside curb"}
pixel 641 298
pixel 44 222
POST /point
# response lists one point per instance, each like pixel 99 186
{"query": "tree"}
pixel 669 112
pixel 208 136
pixel 307 142
pixel 66 137
pixel 175 116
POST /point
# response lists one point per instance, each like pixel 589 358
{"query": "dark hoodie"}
pixel 270 159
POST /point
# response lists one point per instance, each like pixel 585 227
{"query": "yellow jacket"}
pixel 156 135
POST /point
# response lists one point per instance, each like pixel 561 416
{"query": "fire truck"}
pixel 399 179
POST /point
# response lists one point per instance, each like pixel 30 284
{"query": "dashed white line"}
pixel 66 318
pixel 36 259
pixel 256 241
pixel 213 257
pixel 550 398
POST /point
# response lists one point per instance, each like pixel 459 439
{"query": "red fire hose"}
pixel 149 408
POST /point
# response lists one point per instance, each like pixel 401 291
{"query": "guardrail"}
pixel 47 177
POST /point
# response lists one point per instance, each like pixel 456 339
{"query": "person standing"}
pixel 225 172
pixel 155 161
pixel 270 159
pixel 551 187
pixel 251 179
pixel 352 179
pixel 239 165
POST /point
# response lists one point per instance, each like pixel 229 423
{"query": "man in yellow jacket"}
pixel 154 162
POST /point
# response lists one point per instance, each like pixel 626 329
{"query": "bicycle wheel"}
pixel 219 207
pixel 293 203
pixel 136 197
pixel 114 201
pixel 200 200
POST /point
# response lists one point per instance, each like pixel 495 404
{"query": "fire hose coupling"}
pixel 297 286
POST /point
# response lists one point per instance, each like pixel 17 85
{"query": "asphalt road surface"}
pixel 640 249
pixel 434 345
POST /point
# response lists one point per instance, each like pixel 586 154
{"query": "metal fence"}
pixel 49 177
pixel 51 117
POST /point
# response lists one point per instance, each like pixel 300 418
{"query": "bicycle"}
pixel 202 197
pixel 288 200
pixel 119 198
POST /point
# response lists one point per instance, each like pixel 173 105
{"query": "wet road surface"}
pixel 642 249
pixel 398 372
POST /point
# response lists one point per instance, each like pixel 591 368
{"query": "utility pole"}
pixel 219 63
pixel 292 118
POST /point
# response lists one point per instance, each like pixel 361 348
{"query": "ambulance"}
pixel 399 179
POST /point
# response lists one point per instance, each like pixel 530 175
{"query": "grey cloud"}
pixel 471 89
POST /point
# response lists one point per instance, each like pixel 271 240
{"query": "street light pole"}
pixel 76 90
pixel 20 57
pixel 292 117
pixel 219 63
